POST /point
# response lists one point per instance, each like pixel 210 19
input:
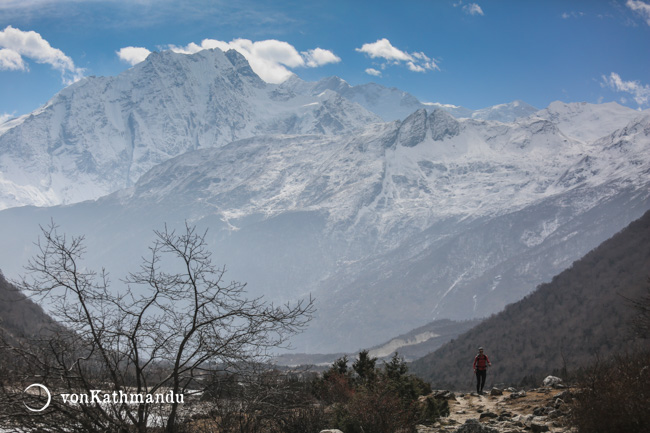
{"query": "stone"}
pixel 444 395
pixel 552 381
pixel 474 426
pixel 496 391
pixel 515 395
pixel 537 427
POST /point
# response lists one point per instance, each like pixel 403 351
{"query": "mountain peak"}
pixel 333 83
pixel 437 125
pixel 442 125
pixel 243 68
pixel 508 112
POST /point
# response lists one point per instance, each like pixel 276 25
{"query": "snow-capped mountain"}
pixel 102 133
pixel 587 122
pixel 389 226
pixel 305 189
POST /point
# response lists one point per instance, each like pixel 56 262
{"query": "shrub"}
pixel 614 396
pixel 376 400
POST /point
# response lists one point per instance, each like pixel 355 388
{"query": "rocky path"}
pixel 505 411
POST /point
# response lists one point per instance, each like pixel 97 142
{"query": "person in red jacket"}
pixel 481 363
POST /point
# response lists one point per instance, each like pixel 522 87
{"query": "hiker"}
pixel 481 363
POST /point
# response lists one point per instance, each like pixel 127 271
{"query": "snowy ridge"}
pixel 101 134
pixel 429 167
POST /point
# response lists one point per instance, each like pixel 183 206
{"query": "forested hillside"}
pixel 20 317
pixel 582 315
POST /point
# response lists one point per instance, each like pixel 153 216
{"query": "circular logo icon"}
pixel 47 391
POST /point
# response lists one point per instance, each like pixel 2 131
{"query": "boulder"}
pixel 552 381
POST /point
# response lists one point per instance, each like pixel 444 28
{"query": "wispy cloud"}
pixel 470 9
pixel 572 14
pixel 16 45
pixel 249 16
pixel 639 92
pixel 640 8
pixel 270 59
pixel 382 49
pixel 473 9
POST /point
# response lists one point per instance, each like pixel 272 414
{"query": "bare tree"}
pixel 173 324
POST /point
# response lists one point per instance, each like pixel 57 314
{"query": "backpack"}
pixel 483 365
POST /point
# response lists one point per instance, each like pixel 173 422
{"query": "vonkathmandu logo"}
pixel 120 397
pixel 116 397
pixel 47 391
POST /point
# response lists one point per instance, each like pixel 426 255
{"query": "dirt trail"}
pixel 507 414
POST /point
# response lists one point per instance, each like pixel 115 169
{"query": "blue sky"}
pixel 470 53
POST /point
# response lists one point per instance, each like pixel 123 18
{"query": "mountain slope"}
pixel 20 317
pixel 581 315
pixel 389 227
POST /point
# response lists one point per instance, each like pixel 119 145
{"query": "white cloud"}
pixel 18 44
pixel 383 49
pixel 270 59
pixel 373 72
pixel 473 9
pixel 11 60
pixel 133 55
pixel 319 57
pixel 641 8
pixel 639 92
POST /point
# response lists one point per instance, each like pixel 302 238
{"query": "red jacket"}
pixel 481 362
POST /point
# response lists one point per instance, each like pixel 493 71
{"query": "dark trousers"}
pixel 480 379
